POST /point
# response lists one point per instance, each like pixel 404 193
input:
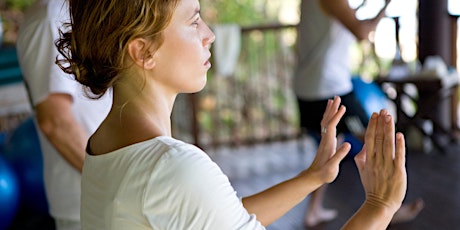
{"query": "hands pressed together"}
pixel 381 165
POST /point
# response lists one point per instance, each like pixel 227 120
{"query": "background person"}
pixel 65 117
pixel 326 31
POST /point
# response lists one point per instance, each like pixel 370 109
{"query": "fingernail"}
pixel 374 115
pixel 387 118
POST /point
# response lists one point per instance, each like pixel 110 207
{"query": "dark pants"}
pixel 311 113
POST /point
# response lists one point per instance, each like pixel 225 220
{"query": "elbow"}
pixel 362 35
pixel 46 125
pixel 364 31
pixel 362 38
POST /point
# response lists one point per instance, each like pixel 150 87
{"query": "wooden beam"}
pixel 435 30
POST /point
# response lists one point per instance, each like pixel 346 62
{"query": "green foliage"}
pixel 243 12
pixel 18 4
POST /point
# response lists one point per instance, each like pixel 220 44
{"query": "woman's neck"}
pixel 146 107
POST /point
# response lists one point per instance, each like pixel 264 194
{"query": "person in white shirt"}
pixel 137 176
pixel 65 117
pixel 326 31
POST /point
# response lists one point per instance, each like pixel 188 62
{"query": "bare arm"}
pixel 274 202
pixel 381 166
pixel 340 10
pixel 56 121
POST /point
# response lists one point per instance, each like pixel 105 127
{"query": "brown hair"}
pixel 94 43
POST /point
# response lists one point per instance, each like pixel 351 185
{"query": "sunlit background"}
pixel 385 39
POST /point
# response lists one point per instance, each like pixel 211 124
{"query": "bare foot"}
pixel 408 212
pixel 317 217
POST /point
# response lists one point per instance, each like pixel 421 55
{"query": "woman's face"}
pixel 182 61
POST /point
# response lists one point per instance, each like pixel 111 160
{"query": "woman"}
pixel 136 176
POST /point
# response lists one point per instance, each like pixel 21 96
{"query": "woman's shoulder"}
pixel 181 153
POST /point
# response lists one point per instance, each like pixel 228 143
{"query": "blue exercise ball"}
pixel 9 194
pixel 356 145
pixel 22 150
pixel 370 95
pixel 372 99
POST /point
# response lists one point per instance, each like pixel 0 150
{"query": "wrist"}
pixel 379 207
pixel 312 177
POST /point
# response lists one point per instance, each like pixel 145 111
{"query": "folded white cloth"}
pixel 434 66
pixel 226 48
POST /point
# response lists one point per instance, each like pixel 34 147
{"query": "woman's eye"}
pixel 195 22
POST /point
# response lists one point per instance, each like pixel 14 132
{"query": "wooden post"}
pixel 436 38
pixel 454 101
pixel 435 35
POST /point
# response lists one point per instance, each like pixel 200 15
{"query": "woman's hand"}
pixel 381 163
pixel 326 163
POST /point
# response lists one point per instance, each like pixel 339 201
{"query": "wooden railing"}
pixel 255 104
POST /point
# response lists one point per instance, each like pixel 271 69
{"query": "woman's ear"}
pixel 139 53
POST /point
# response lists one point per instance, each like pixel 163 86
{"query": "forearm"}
pixel 57 122
pixel 370 216
pixel 271 204
pixel 68 139
pixel 340 10
pixel 381 14
pixel 369 25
